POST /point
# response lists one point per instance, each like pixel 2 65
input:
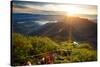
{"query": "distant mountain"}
pixel 18 17
pixel 25 23
pixel 82 29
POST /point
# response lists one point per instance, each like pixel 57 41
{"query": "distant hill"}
pixel 25 23
pixel 18 17
pixel 82 29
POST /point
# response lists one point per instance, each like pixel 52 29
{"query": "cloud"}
pixel 39 7
pixel 23 9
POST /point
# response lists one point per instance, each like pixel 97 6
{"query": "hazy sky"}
pixel 52 8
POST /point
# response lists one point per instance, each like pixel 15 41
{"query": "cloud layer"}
pixel 43 7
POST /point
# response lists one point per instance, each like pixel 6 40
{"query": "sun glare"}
pixel 71 10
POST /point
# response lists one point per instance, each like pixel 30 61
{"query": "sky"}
pixel 52 8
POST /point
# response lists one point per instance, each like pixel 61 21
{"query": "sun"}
pixel 72 10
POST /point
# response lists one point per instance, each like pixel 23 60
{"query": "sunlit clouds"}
pixel 41 8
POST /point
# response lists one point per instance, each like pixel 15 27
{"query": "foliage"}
pixel 20 48
pixel 32 48
pixel 81 55
pixel 85 45
pixel 23 47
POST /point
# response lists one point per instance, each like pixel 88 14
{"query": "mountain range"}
pixel 82 29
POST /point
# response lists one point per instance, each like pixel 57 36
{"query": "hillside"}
pixel 82 28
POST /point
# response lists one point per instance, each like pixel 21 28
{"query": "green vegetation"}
pixel 32 48
pixel 23 47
